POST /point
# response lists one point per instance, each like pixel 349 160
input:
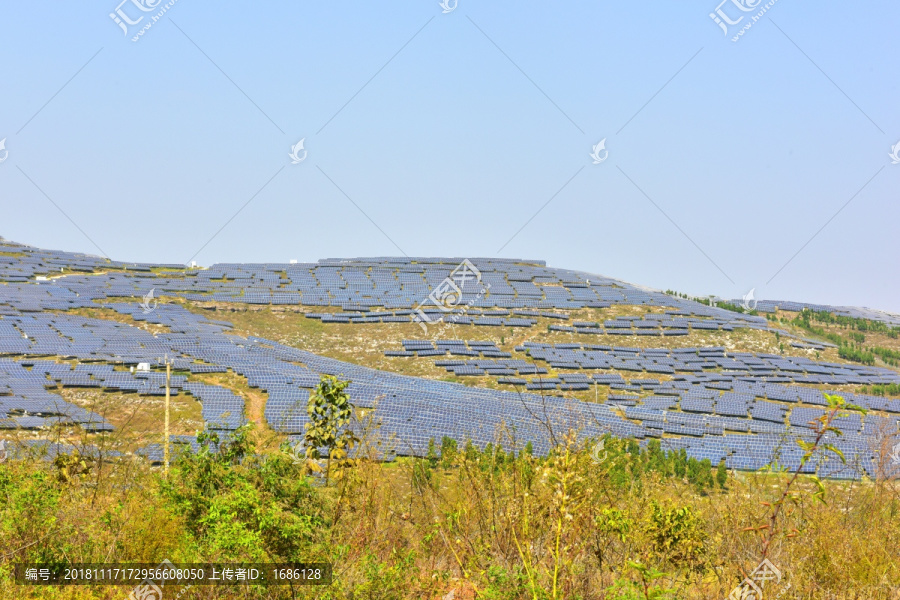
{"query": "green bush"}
pixel 676 535
pixel 240 507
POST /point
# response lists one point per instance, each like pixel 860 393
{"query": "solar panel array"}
pixel 774 368
pixel 715 403
pixel 519 290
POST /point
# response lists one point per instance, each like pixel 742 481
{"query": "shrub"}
pixel 676 535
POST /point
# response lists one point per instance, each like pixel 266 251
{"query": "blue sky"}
pixel 762 163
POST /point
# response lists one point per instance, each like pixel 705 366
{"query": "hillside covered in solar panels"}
pixel 523 353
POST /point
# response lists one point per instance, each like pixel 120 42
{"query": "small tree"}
pixel 329 412
pixel 470 452
pixel 705 475
pixel 676 535
pixel 822 425
pixel 721 474
pixel 680 463
pixel 528 450
pixel 431 456
pixel 448 451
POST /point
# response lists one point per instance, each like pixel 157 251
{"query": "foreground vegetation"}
pixel 594 519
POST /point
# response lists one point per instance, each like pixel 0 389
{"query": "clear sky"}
pixel 762 163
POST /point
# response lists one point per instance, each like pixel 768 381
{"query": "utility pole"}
pixel 166 441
